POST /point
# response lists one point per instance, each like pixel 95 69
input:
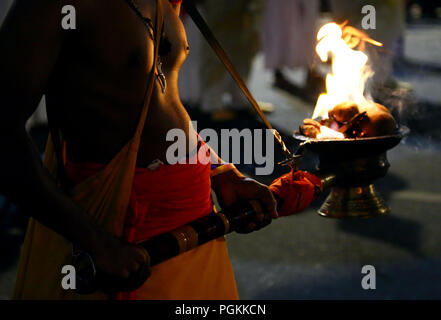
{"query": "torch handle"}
pixel 170 244
pixel 167 245
pixel 173 243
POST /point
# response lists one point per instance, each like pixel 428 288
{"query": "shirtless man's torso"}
pixel 94 79
pixel 98 83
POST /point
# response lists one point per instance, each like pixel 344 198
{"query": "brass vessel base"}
pixel 354 202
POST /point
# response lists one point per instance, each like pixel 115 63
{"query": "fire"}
pixel 347 80
pixel 328 133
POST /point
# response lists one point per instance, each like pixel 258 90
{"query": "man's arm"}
pixel 231 187
pixel 30 42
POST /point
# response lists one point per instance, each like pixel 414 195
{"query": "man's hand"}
pixel 232 187
pixel 126 266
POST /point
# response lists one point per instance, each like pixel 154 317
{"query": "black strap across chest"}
pixel 146 21
pixel 164 43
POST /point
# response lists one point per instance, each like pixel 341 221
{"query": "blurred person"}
pixel 236 24
pixel 4 7
pixel 106 184
pixel 289 38
pixel 390 26
pixel 189 80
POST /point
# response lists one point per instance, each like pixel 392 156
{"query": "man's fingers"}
pixel 261 192
pixel 260 217
pixel 143 256
pixel 125 274
pixel 267 220
pixel 148 260
pixel 248 228
pixel 269 202
pixel 134 267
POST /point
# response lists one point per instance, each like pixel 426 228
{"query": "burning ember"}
pixel 345 110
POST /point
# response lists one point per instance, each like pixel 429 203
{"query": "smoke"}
pixel 421 116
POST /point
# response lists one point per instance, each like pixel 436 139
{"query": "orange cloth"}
pixel 297 190
pixel 163 200
pixel 105 197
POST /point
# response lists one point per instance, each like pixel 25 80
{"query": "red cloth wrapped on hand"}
pixel 297 190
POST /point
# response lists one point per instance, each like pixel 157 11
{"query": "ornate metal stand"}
pixel 354 165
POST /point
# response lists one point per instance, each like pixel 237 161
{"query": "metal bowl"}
pixel 354 165
pixel 352 148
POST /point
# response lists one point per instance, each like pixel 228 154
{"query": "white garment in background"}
pixel 189 76
pixel 4 7
pixel 236 25
pixel 289 32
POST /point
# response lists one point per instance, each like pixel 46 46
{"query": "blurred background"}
pixel 272 45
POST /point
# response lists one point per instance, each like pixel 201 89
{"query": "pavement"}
pixel 309 257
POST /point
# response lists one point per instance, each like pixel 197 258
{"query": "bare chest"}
pixel 108 66
pixel 120 41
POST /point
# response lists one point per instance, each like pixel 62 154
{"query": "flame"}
pixel 328 133
pixel 349 72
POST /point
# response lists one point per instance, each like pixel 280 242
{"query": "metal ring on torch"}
pixel 187 238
